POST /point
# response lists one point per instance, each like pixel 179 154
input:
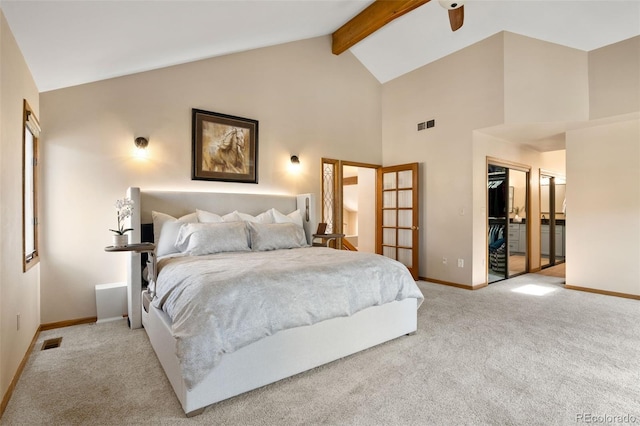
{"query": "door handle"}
pixel 415 228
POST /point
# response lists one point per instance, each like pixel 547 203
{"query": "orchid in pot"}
pixel 124 209
pixel 517 210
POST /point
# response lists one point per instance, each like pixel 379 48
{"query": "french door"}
pixel 398 215
pixel 397 208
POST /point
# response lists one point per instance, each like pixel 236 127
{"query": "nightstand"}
pixel 148 248
pixel 135 316
pixel 325 240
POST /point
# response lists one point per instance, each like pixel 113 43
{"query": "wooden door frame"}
pixel 513 166
pixel 338 191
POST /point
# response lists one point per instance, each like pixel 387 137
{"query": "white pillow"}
pixel 275 236
pixel 236 216
pixel 264 217
pixel 293 217
pixel 165 231
pixel 232 217
pixel 198 239
pixel 207 217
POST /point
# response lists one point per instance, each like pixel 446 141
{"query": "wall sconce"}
pixel 294 165
pixel 141 143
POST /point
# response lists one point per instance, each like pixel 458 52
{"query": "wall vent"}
pixel 51 343
pixel 426 125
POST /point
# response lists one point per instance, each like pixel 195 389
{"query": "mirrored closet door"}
pixel 507 236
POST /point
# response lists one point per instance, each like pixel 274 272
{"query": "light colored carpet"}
pixel 492 356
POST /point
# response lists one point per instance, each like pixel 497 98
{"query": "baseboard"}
pixel 450 284
pixel 605 292
pixel 14 381
pixel 67 323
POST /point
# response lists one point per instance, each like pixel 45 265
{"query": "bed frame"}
pixel 273 358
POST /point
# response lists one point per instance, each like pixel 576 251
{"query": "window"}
pixel 30 188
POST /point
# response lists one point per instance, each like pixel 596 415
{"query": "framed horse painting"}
pixel 225 147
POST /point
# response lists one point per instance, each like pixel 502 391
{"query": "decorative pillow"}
pixel 207 217
pixel 274 236
pixel 293 217
pixel 165 231
pixel 197 239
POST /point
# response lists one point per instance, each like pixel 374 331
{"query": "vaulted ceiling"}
pixel 67 43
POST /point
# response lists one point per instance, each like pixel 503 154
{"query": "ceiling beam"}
pixel 375 16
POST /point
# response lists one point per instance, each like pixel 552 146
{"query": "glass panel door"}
pixel 398 214
pixel 330 178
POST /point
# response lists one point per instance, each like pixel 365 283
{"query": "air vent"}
pixel 426 124
pixel 51 343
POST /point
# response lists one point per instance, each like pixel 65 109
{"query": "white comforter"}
pixel 220 303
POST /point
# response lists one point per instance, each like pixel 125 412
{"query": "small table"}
pixel 325 239
pixel 135 321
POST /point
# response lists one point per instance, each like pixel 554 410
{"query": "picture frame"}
pixel 224 147
pixel 322 229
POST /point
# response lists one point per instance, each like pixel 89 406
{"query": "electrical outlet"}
pixel 444 260
pixel 460 263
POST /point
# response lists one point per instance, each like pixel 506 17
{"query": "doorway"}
pixel 507 225
pixel 552 219
pixel 348 202
pixel 359 207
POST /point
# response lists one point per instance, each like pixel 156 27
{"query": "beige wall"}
pixel 543 82
pixel 308 101
pixel 614 79
pixel 19 292
pixel 505 79
pixel 462 92
pixel 603 207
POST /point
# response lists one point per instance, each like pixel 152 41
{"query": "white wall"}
pixel 308 102
pixel 603 205
pixel 19 291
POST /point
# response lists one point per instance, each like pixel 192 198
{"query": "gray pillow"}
pixel 216 237
pixel 274 236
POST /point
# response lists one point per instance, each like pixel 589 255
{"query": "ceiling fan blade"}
pixel 456 18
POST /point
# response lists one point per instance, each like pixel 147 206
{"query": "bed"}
pixel 280 347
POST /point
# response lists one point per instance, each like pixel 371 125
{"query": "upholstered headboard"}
pixel 178 203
